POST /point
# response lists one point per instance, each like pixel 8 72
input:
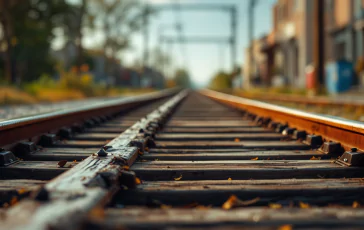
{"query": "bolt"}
pixel 102 153
pixel 354 149
pixel 345 159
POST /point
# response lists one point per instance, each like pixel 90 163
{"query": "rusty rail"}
pixel 348 133
pixel 30 127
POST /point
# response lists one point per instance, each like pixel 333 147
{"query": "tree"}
pixel 182 78
pixel 221 80
pixel 77 20
pixel 28 30
pixel 117 20
pixel 160 60
pixel 7 24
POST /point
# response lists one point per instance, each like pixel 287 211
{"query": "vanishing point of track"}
pixel 181 159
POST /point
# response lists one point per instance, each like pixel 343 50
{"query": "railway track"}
pixel 349 108
pixel 197 160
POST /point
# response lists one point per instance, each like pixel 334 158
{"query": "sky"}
pixel 203 60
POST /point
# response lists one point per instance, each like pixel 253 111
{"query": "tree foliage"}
pixel 27 27
pixel 182 78
pixel 221 80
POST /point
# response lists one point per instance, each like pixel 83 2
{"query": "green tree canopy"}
pixel 182 78
pixel 221 80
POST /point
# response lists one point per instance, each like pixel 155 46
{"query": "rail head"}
pixel 349 133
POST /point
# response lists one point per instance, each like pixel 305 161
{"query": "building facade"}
pixel 288 48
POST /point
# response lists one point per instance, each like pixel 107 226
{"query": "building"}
pixel 288 48
pixel 255 68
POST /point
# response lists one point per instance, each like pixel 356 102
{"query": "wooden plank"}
pixel 217 137
pixel 263 155
pixel 287 192
pixel 114 130
pixel 57 154
pixel 213 124
pixel 186 130
pixel 275 145
pixel 241 218
pixel 39 170
pixel 17 188
pixel 94 136
pixel 80 144
pixel 245 170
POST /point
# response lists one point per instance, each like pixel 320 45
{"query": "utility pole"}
pixel 319 45
pixel 252 3
pixel 233 37
pixel 146 36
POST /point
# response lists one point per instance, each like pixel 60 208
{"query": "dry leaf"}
pixel 304 205
pixel 234 202
pixel 237 140
pixel 356 204
pixel 156 159
pixel 137 180
pixel 22 191
pixel 275 206
pixel 62 163
pixel 163 206
pixel 315 158
pixel 126 168
pixel 75 161
pixel 178 178
pixel 98 213
pixel 230 178
pixel 13 200
pixel 201 207
pixel 285 227
pixel 254 159
pixel 146 149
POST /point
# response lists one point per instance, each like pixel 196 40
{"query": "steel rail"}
pixel 24 128
pixel 65 201
pixel 317 100
pixel 347 132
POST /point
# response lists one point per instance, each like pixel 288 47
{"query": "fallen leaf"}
pixel 126 168
pixel 315 158
pixel 202 207
pixel 13 201
pixel 230 178
pixel 275 206
pixel 98 213
pixel 234 202
pixel 163 206
pixel 254 159
pixel 146 149
pixel 178 178
pixel 304 205
pixel 156 159
pixel 237 140
pixel 22 191
pixel 137 180
pixel 285 227
pixel 356 204
pixel 192 205
pixel 62 163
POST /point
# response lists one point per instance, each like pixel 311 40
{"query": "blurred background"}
pixel 56 50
